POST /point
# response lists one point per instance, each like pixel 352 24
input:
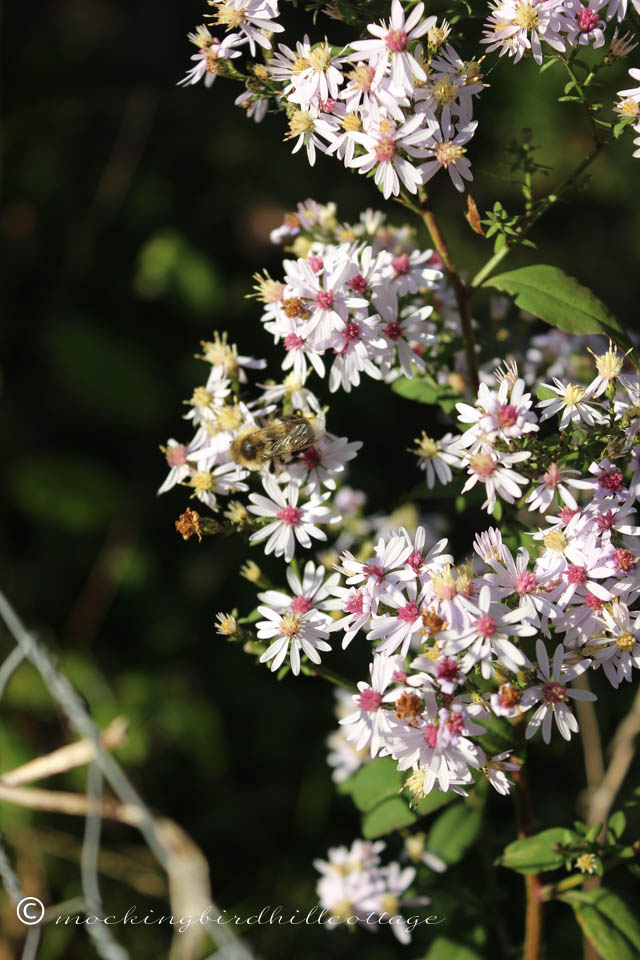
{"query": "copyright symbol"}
pixel 30 911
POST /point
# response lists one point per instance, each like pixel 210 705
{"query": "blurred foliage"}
pixel 134 216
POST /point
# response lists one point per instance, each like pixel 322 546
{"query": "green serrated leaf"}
pixel 607 922
pixel 537 854
pixel 455 831
pixel 547 292
pixel 390 815
pixel 375 782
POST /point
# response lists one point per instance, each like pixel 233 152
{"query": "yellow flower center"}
pixel 203 482
pixel 290 625
pixel 201 397
pixel 526 16
pixel 300 122
pixel 320 58
pixel 300 64
pixel 228 17
pixel 449 152
pixel 444 92
pixel 555 541
pixel 625 642
pixel 573 394
pixel 352 122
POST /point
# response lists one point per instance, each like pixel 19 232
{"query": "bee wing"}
pixel 298 436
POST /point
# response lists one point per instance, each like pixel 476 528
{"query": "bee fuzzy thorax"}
pixel 256 447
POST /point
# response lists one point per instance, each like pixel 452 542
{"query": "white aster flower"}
pixel 554 693
pixel 291 633
pixel 289 521
pixel 575 402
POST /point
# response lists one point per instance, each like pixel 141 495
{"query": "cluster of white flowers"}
pixel 517 27
pixel 357 300
pixel 356 888
pixel 502 422
pixel 629 106
pixel 399 104
pixel 432 624
pixel 253 20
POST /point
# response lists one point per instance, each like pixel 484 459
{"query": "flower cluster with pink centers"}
pixel 529 625
pixel 520 27
pixel 628 106
pixel 353 302
pixel 398 103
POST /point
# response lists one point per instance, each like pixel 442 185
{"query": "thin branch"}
pixel 68 757
pixel 9 666
pixel 462 294
pixel 622 752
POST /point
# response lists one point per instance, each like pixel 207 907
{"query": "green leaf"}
pixel 375 782
pixel 617 823
pixel 390 815
pixel 433 801
pixel 443 948
pixel 547 292
pixel 455 831
pixel 427 391
pixel 500 735
pixel 77 495
pixel 607 922
pixel 537 854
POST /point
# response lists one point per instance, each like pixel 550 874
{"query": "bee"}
pixel 256 447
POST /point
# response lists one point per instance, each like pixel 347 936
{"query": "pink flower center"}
pixel 311 458
pixel 316 263
pixel 593 602
pixel 401 265
pixel 612 481
pixel 576 574
pixel 455 723
pixel 525 582
pixel 507 415
pixel 410 613
pixel 435 261
pixel 415 561
pixel 350 334
pixel 293 342
pixel 385 149
pixel 328 106
pixel 554 693
pixel 324 299
pixel 605 521
pixel 290 516
pixel 354 604
pixel 358 283
pixel 431 735
pixel 448 669
pixel 482 464
pixel 624 560
pixel 397 40
pixel 399 676
pixel 393 330
pixel 486 625
pixel 176 456
pixel 567 514
pixel 552 476
pixel 370 701
pixel 373 570
pixel 301 605
pixel 587 20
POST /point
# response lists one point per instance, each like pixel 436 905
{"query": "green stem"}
pixel 538 211
pixel 462 294
pixel 317 670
